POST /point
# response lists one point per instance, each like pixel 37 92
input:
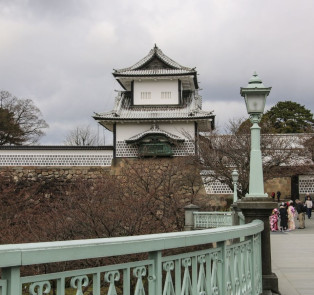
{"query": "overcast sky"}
pixel 61 53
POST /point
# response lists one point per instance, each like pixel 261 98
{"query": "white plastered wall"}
pixel 182 129
pixel 155 88
pixel 52 157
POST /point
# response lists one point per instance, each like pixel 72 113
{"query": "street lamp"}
pixel 255 94
pixel 256 204
pixel 235 178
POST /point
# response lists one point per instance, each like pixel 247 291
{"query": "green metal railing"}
pixel 241 218
pixel 212 219
pixel 221 267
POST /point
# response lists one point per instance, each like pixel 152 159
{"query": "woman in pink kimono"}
pixel 273 220
pixel 291 215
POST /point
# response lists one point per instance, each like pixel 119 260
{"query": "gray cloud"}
pixel 61 53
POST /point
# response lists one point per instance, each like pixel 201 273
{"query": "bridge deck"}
pixel 293 259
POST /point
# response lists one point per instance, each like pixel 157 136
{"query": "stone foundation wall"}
pixel 51 176
pixel 50 180
pixel 282 184
pixel 39 174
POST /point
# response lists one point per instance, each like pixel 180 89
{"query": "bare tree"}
pixel 81 136
pixel 21 121
pixel 220 154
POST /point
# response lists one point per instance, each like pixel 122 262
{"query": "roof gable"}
pixel 155 63
pixel 155 59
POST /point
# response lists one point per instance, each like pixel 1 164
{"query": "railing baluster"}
pixel 222 270
pixel 156 273
pixel 208 267
pixel 12 275
pixel 126 281
pixel 61 286
pixel 194 275
pixel 3 286
pixel 178 280
pixel 96 283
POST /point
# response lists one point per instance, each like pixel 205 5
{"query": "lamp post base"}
pixel 270 284
pixel 257 207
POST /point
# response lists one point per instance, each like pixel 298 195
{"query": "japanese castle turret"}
pixel 159 111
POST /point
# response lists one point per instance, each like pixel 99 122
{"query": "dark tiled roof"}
pixel 155 72
pixel 155 52
pixel 125 111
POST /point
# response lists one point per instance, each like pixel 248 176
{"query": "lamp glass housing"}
pixel 255 103
pixel 235 176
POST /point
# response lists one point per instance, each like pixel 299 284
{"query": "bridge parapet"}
pixel 215 219
pixel 212 219
pixel 226 268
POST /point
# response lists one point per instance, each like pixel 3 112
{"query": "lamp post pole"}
pixel 256 183
pixel 235 178
pixel 234 206
pixel 256 204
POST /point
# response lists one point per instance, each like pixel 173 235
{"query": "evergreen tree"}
pixel 284 117
pixel 288 117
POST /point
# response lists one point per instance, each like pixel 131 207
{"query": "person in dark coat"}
pixel 278 196
pixel 283 217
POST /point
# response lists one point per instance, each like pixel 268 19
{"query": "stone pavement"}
pixel 293 259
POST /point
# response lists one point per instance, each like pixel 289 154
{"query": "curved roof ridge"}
pixel 155 52
pixel 154 130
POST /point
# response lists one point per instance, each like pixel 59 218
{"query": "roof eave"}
pixel 116 75
pixel 191 118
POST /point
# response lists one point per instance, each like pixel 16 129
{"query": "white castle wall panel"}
pixel 125 131
pixel 56 158
pixel 155 88
pixel 183 130
pixel 306 184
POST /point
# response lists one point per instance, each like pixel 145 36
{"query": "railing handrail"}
pixel 48 252
pixel 212 213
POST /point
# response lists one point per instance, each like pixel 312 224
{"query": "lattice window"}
pixel 306 184
pixel 166 94
pixel 55 160
pixel 146 95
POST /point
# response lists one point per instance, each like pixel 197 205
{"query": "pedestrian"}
pixel 291 215
pixel 301 213
pixel 309 205
pixel 278 196
pixel 307 195
pixel 273 196
pixel 273 220
pixel 283 217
